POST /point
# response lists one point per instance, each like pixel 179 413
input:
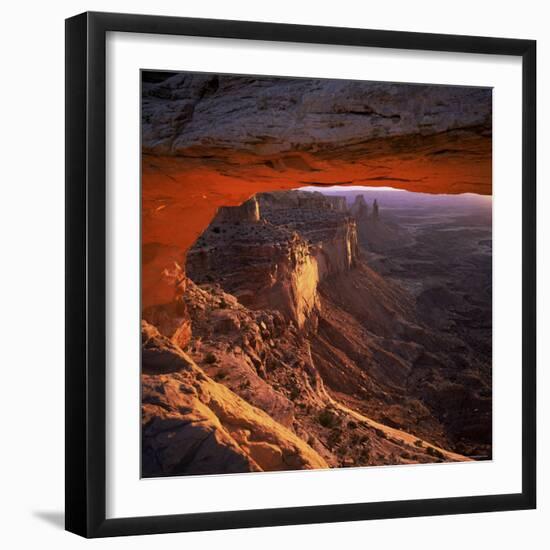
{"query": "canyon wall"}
pixel 275 259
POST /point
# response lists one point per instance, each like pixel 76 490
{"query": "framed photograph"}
pixel 300 274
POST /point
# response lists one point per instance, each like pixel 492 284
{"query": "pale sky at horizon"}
pixel 355 188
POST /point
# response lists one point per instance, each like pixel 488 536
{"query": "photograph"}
pixel 316 273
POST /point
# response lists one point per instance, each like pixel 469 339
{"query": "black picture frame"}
pixel 86 268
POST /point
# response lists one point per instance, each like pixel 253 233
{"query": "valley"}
pixel 350 352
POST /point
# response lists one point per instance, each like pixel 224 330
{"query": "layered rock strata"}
pixel 255 113
pixel 276 260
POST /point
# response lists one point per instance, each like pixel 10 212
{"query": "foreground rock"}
pixel 193 425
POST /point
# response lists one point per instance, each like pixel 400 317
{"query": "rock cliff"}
pixel 359 209
pixel 193 425
pixel 294 240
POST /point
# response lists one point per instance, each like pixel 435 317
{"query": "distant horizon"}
pixel 359 188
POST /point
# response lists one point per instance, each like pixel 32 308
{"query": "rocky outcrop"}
pixel 359 209
pixel 269 363
pixel 324 222
pixel 193 425
pixel 337 203
pixel 279 272
pixel 256 353
pixel 375 212
pixel 255 113
pixel 276 261
pixel 248 211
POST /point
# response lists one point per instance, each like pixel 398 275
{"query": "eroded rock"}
pixel 193 425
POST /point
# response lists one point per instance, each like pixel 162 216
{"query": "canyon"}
pixel 338 365
pixel 287 328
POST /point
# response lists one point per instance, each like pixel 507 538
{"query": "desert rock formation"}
pixel 254 114
pixel 285 314
pixel 193 425
pixel 213 140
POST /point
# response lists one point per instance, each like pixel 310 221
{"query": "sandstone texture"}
pixel 193 425
pixel 276 260
pixel 276 115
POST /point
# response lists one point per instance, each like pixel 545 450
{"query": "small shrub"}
pixel 294 393
pixel 419 443
pixel 327 419
pixel 210 358
pixel 432 451
pixel 352 425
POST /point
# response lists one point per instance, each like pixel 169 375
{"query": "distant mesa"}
pixel 375 209
pixel 359 209
pixel 289 241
